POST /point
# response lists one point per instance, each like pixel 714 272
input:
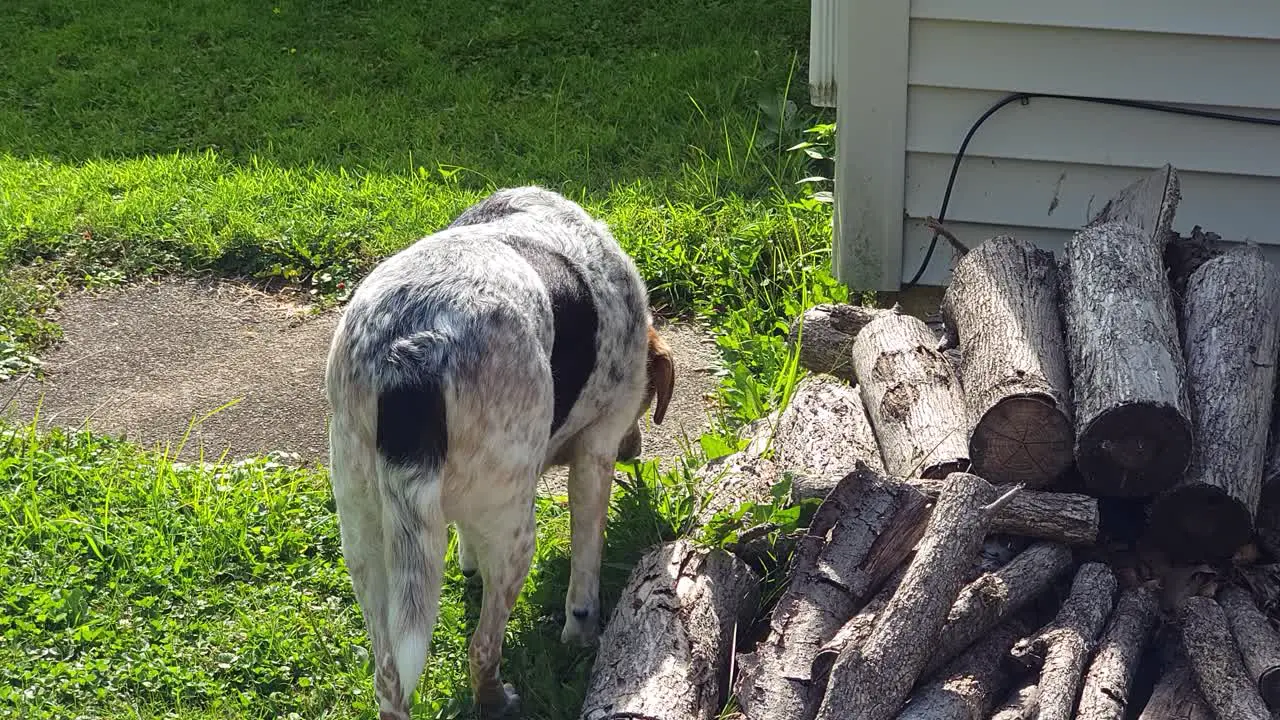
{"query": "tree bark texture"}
pixel 1133 432
pixel 853 633
pixel 1002 308
pixel 1258 641
pixel 1069 518
pixel 1232 323
pixel 1176 697
pixel 863 531
pixel 825 334
pixel 1109 681
pixel 872 680
pixel 996 596
pixel 913 398
pixel 665 652
pixel 1022 703
pixel 1062 648
pixel 969 686
pixel 733 479
pixel 822 434
pixel 1216 663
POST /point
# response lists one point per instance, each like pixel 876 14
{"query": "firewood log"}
pixel 1022 703
pixel 1133 433
pixel 736 478
pixel 852 634
pixel 1232 324
pixel 872 680
pixel 970 685
pixel 1216 663
pixel 1108 682
pixel 1258 641
pixel 863 531
pixel 1062 648
pixel 822 433
pixel 1068 518
pixel 665 652
pixel 1002 309
pixel 825 334
pixel 912 397
pixel 1176 697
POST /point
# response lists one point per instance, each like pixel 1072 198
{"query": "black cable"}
pixel 1158 107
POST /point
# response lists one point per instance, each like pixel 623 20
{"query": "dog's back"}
pixel 461 367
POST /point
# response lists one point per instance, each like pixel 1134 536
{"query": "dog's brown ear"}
pixel 662 375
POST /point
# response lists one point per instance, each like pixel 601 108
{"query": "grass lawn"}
pixel 300 142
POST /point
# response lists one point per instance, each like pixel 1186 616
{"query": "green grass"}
pixel 301 142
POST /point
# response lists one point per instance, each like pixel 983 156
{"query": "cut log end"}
pixel 1132 450
pixel 1199 523
pixel 1023 439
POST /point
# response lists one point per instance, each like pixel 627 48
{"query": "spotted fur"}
pixel 516 338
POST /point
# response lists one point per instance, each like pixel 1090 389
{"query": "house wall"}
pixel 1040 169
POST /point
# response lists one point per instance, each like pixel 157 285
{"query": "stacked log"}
pixel 963 560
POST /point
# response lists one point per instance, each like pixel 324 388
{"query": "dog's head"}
pixel 662 383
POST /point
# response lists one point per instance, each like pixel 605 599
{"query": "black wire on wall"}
pixel 1015 97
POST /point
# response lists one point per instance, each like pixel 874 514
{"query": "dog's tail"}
pixel 412 442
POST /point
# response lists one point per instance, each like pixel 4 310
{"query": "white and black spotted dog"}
pixel 517 338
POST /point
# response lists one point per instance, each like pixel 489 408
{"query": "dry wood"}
pixel 852 634
pixel 1108 683
pixel 1133 433
pixel 994 596
pixel 1258 641
pixel 872 680
pixel 863 530
pixel 1069 518
pixel 912 397
pixel 665 652
pixel 968 687
pixel 1232 326
pixel 822 434
pixel 1176 697
pixel 826 332
pixel 1062 648
pixel 1002 309
pixel 1021 704
pixel 733 479
pixel 1216 663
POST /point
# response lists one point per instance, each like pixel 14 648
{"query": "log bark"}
pixel 733 479
pixel 1022 703
pixel 1176 697
pixel 665 652
pixel 1133 433
pixel 912 397
pixel 1232 320
pixel 872 680
pixel 1109 681
pixel 1216 663
pixel 853 633
pixel 1258 641
pixel 825 334
pixel 822 433
pixel 1183 255
pixel 1069 518
pixel 863 531
pixel 1002 309
pixel 969 686
pixel 993 597
pixel 1062 648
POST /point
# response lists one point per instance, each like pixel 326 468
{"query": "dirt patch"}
pixel 149 361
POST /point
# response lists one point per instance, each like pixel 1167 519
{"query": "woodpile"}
pixel 1064 503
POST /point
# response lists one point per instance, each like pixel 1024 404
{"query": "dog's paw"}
pixel 501 704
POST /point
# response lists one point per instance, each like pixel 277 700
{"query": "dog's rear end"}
pixel 516 338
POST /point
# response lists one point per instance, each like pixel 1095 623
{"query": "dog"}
pixel 516 338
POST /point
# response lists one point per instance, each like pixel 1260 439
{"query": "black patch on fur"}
pixel 576 322
pixel 411 424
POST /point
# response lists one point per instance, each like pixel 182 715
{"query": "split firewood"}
pixel 822 433
pixel 1022 703
pixel 1001 308
pixel 1062 648
pixel 872 680
pixel 968 687
pixel 1232 324
pixel 1258 641
pixel 993 597
pixel 1216 663
pixel 863 531
pixel 1133 432
pixel 852 634
pixel 825 334
pixel 665 652
pixel 912 397
pixel 1109 681
pixel 1069 518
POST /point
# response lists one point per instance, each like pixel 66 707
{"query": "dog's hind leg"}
pixel 590 479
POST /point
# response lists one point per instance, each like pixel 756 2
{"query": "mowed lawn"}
pixel 301 142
